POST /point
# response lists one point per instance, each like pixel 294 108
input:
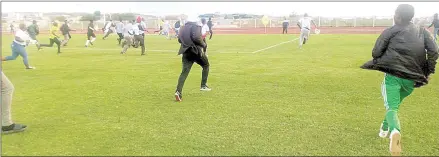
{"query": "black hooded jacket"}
pixel 407 52
pixel 190 39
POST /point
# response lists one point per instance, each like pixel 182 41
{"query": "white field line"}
pixel 101 49
pixel 274 45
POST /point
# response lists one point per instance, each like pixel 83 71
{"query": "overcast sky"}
pixel 343 9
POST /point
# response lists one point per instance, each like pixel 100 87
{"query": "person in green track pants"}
pixel 407 54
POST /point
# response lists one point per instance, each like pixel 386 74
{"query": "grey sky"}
pixel 346 9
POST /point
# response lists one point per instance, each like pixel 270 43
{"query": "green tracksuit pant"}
pixel 394 90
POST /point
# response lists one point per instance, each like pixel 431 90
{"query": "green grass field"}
pixel 280 101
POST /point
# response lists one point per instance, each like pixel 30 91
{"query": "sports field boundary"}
pixel 274 45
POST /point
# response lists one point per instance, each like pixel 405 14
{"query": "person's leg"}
pixel 283 30
pixel 106 33
pixel 203 61
pixel 306 36
pixel 393 89
pixel 48 45
pixel 88 39
pixel 58 43
pixel 66 39
pixel 211 33
pixel 126 44
pixel 302 37
pixel 142 44
pixel 93 35
pixel 436 31
pixel 205 48
pixel 22 52
pixel 120 37
pixel 7 92
pixel 187 61
pixel 14 48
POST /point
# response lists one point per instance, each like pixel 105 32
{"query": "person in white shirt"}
pixel 305 28
pixel 21 40
pixel 143 27
pixel 119 31
pixel 205 30
pixel 128 35
pixel 138 38
pixel 166 29
pixel 107 29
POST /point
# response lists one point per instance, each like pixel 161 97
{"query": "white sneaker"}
pixel 395 143
pixel 383 134
pixel 205 88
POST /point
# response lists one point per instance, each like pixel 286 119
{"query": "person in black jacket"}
pixel 285 25
pixel 191 47
pixel 65 30
pixel 407 55
pixel 435 23
pixel 210 25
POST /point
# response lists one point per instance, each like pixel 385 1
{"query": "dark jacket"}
pixel 190 39
pixel 435 23
pixel 407 52
pixel 209 24
pixel 65 29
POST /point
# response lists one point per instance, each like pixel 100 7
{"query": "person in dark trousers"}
pixel 65 30
pixel 33 30
pixel 285 25
pixel 435 23
pixel 119 30
pixel 54 37
pixel 210 25
pixel 192 50
pixel 91 37
pixel 12 27
pixel 407 54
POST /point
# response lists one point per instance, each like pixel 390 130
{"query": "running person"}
pixel 435 23
pixel 54 37
pixel 33 31
pixel 407 55
pixel 166 29
pixel 91 37
pixel 142 26
pixel 128 35
pixel 21 40
pixel 12 27
pixel 177 26
pixel 204 31
pixel 191 47
pixel 161 22
pixel 119 31
pixel 138 38
pixel 65 30
pixel 305 28
pixel 210 24
pixel 107 29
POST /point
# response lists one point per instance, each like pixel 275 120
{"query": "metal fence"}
pixel 251 23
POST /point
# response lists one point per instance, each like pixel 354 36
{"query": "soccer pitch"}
pixel 268 98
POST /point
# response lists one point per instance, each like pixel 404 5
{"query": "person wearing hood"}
pixel 407 55
pixel 191 48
